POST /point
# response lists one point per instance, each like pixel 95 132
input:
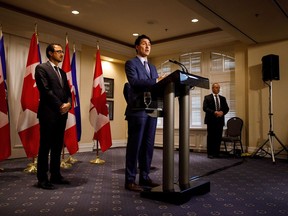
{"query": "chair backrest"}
pixel 234 127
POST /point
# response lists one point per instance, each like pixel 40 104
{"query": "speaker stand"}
pixel 271 134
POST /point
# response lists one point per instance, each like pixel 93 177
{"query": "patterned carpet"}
pixel 238 187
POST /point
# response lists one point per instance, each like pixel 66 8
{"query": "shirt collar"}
pixel 52 64
pixel 142 59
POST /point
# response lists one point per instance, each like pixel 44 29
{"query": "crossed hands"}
pixel 218 114
pixel 65 108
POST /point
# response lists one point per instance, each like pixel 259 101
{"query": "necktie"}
pixel 217 103
pixel 147 67
pixel 58 75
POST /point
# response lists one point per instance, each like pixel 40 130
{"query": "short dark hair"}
pixel 50 48
pixel 139 38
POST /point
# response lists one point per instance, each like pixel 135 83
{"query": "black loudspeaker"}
pixel 270 67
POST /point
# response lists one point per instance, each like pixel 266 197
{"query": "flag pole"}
pixel 97 160
pixel 64 164
pixel 32 167
pixel 98 83
pixel 67 163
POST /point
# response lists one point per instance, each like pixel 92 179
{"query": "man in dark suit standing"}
pixel 141 127
pixel 54 105
pixel 215 107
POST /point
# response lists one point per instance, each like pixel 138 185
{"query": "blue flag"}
pixel 77 101
pixel 3 61
pixel 5 141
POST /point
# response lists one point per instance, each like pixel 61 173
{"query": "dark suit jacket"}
pixel 52 94
pixel 209 108
pixel 139 82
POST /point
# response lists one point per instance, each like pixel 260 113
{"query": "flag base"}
pixel 65 165
pixel 31 168
pixel 71 160
pixel 97 161
pixel 179 195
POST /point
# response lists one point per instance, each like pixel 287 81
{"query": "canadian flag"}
pixel 5 142
pixel 28 124
pixel 70 137
pixel 98 113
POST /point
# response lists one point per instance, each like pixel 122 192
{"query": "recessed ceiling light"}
pixel 135 34
pixel 194 20
pixel 75 12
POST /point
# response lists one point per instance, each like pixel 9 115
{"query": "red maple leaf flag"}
pixel 28 123
pixel 98 113
pixel 70 137
pixel 5 142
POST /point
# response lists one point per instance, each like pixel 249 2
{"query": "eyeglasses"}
pixel 59 51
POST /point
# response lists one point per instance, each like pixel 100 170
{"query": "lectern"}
pixel 177 84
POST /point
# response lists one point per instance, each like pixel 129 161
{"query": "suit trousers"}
pixel 51 141
pixel 214 136
pixel 140 146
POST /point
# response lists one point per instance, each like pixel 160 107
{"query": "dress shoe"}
pixel 46 185
pixel 60 180
pixel 210 156
pixel 133 187
pixel 147 183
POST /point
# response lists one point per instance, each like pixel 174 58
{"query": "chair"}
pixel 233 133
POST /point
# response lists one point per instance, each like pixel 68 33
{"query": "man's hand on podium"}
pixel 162 77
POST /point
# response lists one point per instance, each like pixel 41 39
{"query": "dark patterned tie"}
pixel 217 103
pixel 58 75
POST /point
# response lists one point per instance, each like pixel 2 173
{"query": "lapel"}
pixel 142 69
pixel 213 100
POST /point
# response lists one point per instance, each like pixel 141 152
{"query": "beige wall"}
pixel 18 29
pixel 241 89
pixel 258 96
pixel 251 93
pixel 110 70
pixel 252 103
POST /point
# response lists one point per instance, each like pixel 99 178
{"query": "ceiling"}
pixel 167 22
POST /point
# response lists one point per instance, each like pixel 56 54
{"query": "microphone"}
pixel 180 64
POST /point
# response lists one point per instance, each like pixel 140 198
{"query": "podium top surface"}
pixel 185 79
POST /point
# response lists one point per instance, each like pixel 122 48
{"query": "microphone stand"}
pixel 180 64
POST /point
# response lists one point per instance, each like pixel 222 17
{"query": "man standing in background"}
pixel 55 103
pixel 215 107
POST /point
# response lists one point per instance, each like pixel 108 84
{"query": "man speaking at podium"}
pixel 141 75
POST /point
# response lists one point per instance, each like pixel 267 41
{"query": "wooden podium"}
pixel 177 84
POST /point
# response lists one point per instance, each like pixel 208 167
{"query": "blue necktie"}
pixel 147 68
